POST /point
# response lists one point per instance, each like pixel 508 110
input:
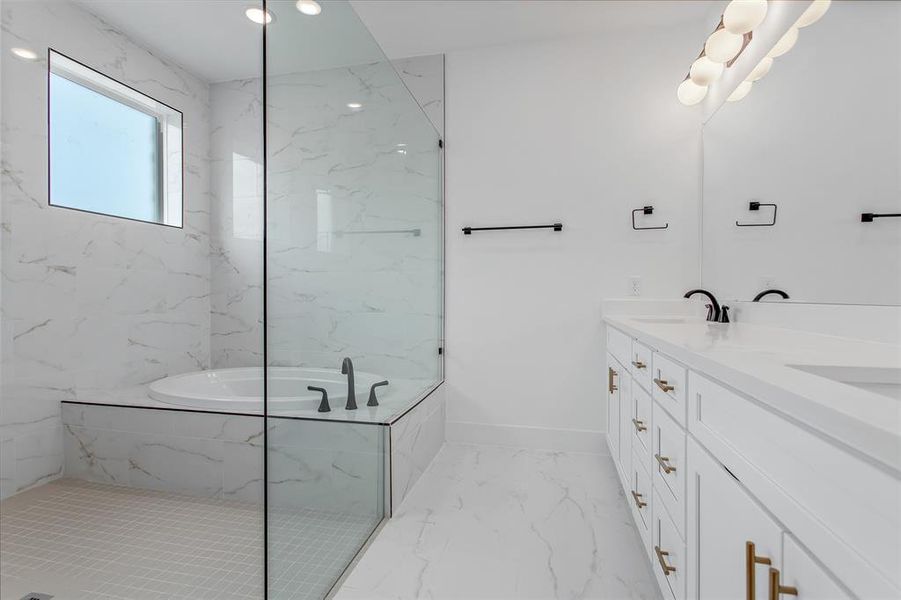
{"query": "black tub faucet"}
pixel 713 311
pixel 373 401
pixel 323 404
pixel 347 368
pixel 778 292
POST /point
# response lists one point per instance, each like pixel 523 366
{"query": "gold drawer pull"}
pixel 663 385
pixel 661 556
pixel 638 499
pixel 664 464
pixel 611 387
pixel 638 364
pixel 776 587
pixel 639 425
pixel 751 562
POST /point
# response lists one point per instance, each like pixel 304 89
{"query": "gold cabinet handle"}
pixel 751 562
pixel 663 385
pixel 638 364
pixel 611 387
pixel 663 461
pixel 638 499
pixel 639 425
pixel 776 587
pixel 661 556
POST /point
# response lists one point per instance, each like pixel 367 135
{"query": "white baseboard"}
pixel 536 438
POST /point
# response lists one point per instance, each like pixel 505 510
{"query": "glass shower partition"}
pixel 353 283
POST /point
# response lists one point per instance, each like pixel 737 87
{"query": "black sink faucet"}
pixel 778 292
pixel 347 368
pixel 713 313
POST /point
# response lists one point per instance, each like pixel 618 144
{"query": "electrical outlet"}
pixel 635 286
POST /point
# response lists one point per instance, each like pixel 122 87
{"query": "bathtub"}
pixel 241 390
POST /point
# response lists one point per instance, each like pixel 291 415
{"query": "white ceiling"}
pixel 419 27
pixel 228 46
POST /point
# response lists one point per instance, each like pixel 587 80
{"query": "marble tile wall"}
pixel 90 303
pixel 333 170
pixel 416 439
pixel 331 467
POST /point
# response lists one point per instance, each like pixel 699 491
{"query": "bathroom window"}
pixel 113 150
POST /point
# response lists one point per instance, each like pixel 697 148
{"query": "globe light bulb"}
pixel 704 71
pixel 741 16
pixel 785 43
pixel 740 92
pixel 690 93
pixel 723 45
pixel 762 68
pixel 813 13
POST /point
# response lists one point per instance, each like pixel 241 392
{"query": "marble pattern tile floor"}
pixel 497 523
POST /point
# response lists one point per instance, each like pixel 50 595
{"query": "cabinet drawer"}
pixel 641 364
pixel 668 466
pixel 667 552
pixel 619 345
pixel 669 386
pixel 640 426
pixel 807 481
pixel 639 497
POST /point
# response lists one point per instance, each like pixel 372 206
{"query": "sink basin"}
pixel 885 381
pixel 662 320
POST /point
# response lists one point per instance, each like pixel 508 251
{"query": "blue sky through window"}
pixel 104 155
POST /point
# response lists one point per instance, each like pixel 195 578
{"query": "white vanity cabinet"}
pixel 733 500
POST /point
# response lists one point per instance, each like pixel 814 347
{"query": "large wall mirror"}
pixel 816 144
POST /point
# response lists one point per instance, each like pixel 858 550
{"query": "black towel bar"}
pixel 868 217
pixel 555 227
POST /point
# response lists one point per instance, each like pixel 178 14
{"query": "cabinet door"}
pixel 614 375
pixel 804 574
pixel 723 523
pixel 625 423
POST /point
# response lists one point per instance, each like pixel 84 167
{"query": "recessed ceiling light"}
pixel 25 53
pixel 354 105
pixel 309 7
pixel 258 16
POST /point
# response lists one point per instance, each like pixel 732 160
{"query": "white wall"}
pixel 580 131
pixel 92 305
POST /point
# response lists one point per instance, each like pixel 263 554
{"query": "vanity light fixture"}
pixel 785 43
pixel 24 53
pixel 690 93
pixel 813 13
pixel 258 16
pixel 740 92
pixel 741 16
pixel 704 71
pixel 311 8
pixel 723 45
pixel 762 68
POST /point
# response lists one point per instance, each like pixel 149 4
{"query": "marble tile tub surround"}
pixel 757 359
pixel 338 174
pixel 89 302
pixel 329 291
pixel 559 528
pixel 328 467
pixel 416 438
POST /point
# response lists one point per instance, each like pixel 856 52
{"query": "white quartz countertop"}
pixel 755 360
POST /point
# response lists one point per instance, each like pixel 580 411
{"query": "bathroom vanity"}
pixel 759 462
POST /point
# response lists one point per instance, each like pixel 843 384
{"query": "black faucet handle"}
pixel 373 401
pixel 724 314
pixel 323 404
